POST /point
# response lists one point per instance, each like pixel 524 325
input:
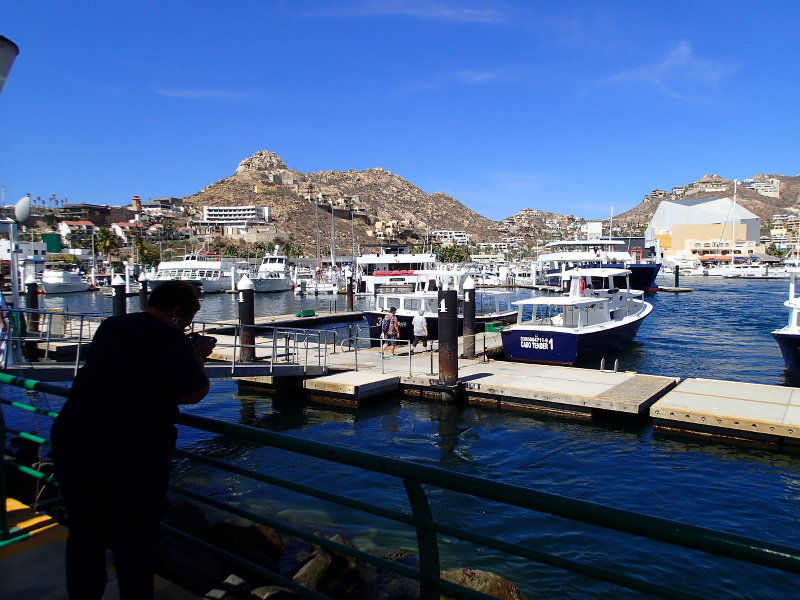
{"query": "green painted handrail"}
pixel 415 479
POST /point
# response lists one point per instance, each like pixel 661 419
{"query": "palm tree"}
pixel 105 242
pixel 139 247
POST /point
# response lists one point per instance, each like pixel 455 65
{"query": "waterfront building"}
pixel 711 228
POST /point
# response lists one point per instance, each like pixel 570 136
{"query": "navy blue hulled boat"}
pixel 593 319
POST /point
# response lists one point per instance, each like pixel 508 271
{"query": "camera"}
pixel 196 338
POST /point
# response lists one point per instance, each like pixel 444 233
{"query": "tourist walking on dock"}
pixel 391 330
pixel 113 440
pixel 420 325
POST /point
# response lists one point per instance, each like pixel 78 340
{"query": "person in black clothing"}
pixel 113 439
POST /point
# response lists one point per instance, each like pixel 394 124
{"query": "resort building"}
pixel 232 220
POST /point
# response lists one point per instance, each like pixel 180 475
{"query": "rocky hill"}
pixel 377 200
pixel 714 186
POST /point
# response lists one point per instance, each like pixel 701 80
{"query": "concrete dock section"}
pixel 744 410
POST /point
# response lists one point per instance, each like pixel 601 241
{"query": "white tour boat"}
pixel 491 306
pixel 392 266
pixel 209 272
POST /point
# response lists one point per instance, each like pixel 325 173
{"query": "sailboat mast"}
pixel 333 240
pixel 733 222
pixel 316 216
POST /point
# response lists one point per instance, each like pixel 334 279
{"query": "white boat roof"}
pixel 595 272
pixel 560 301
pixel 585 243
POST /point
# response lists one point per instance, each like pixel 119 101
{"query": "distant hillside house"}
pixel 704 229
pixel 785 232
pixel 451 238
pixel 69 230
pixel 165 204
pixel 232 220
pixel 127 231
pixel 764 186
pixel 95 214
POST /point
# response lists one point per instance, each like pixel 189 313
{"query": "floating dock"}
pixel 750 411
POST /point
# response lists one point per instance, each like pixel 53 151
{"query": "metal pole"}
pixel 247 317
pixel 469 318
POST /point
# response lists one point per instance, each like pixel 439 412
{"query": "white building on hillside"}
pixel 233 220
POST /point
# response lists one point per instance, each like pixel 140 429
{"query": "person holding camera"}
pixel 113 439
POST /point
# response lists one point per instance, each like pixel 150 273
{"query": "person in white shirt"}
pixel 420 325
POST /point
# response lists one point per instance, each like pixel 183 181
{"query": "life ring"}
pixel 581 286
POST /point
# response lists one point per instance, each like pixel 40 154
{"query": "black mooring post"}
pixel 142 291
pixel 677 275
pixel 32 302
pixel 469 318
pixel 448 343
pixel 119 300
pixel 247 316
pixel 350 294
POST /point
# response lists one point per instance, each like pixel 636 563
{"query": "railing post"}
pixel 427 542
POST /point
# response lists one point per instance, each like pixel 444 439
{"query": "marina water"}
pixel 720 330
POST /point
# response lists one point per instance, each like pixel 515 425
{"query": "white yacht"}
pixel 273 274
pixel 315 281
pixel 596 253
pixel 62 281
pixel 209 272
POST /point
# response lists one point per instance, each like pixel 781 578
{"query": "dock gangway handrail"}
pixel 415 478
pixel 49 328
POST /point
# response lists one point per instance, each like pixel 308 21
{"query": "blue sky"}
pixel 571 107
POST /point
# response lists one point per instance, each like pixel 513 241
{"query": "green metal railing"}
pixel 419 482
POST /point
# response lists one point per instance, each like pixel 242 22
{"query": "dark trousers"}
pixel 114 501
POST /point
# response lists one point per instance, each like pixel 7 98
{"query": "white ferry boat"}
pixel 492 306
pixel 391 266
pixel 209 272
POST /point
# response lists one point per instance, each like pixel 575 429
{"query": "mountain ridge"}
pixel 377 206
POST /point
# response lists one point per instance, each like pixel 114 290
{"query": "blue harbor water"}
pixel 720 330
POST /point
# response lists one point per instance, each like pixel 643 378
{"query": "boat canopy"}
pixel 579 301
pixel 593 272
pixel 587 243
